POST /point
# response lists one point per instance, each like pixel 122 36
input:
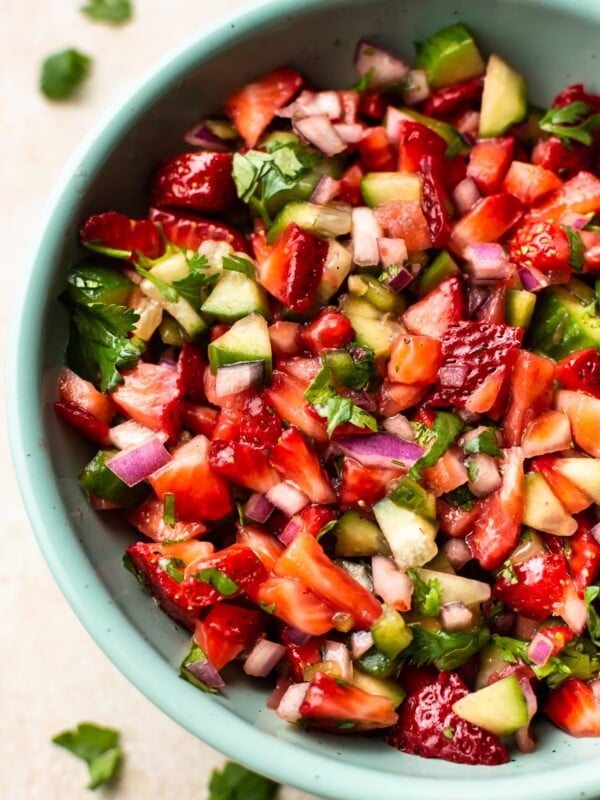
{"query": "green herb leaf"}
pixel 218 580
pixel 571 123
pixel 235 782
pixel 170 294
pixel 99 344
pixel 427 595
pixel 98 747
pixel 446 429
pixel 593 625
pixel 195 654
pixel 239 264
pixel 335 408
pixel 445 650
pixel 113 11
pixel 508 573
pixel 485 442
pixel 472 470
pixel 63 73
pixel 461 497
pixel 576 248
pixel 199 280
pixel 169 515
pixel 578 659
pixel 173 567
pixel 362 84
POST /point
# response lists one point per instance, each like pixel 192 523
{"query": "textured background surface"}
pixel 52 675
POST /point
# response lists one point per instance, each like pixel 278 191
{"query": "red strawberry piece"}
pixel 148 518
pixel 228 422
pixel 581 550
pixel 292 271
pixel 312 519
pixel 373 103
pixel 435 200
pixel 151 394
pixel 286 395
pixel 189 231
pixel 363 486
pixel 237 563
pixel 530 394
pixel 329 330
pixel 580 194
pixel 252 108
pixel 297 605
pixel 575 708
pixel 542 245
pixel 428 727
pixel 191 365
pixel 553 154
pixel 488 220
pixel 243 464
pixel 83 421
pixel 376 151
pixel 112 231
pixel 441 307
pixel 298 462
pixel 534 587
pixel 580 371
pixel 488 162
pixel 299 656
pixel 485 353
pixel 454 99
pixel 576 92
pixel 405 219
pixel 350 187
pixel 226 630
pixel 260 426
pixel 200 180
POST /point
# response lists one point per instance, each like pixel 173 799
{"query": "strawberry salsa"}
pixel 343 380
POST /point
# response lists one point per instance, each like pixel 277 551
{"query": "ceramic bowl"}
pixel 553 43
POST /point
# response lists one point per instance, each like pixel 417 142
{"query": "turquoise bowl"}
pixel 552 42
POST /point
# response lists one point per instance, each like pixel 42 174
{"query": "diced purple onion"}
pixel 532 279
pixel 325 190
pixel 386 69
pixel 289 705
pixel 205 672
pixel 202 136
pixel 131 433
pixel 291 635
pixel 573 610
pixel 291 530
pixel 487 262
pixel 362 399
pixel 360 643
pixel 539 649
pixel 392 251
pixel 138 462
pixel 319 131
pixel 478 297
pixel 309 103
pixel 465 195
pixel 468 126
pixel 258 508
pixel 487 475
pixel 419 87
pixel 457 552
pixel 379 449
pixel 595 531
pixel 339 653
pixel 263 658
pixel 456 617
pixel 574 220
pixel 168 358
pixel 235 378
pixel 365 233
pixel 452 375
pixel 391 584
pixel 393 118
pixel 287 498
pixel 400 280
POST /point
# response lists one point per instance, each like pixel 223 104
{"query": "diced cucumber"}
pixel 329 222
pixel 564 320
pixel 491 660
pixel 390 633
pixel 189 319
pixel 409 494
pixel 380 686
pixel 520 305
pixel 583 472
pixel 441 563
pixel 171 333
pixel 356 570
pixel 150 313
pixel 97 283
pixel 195 655
pixel 335 271
pixel 235 296
pixel 377 664
pixel 246 340
pixel 504 100
pixel 358 536
pixel 98 480
pixel 373 328
pixel 543 510
pixel 377 293
pixel 411 537
pixel 450 56
pixel 456 588
pixel 500 708
pixel 457 144
pixel 172 268
pixel 383 187
pixel 443 266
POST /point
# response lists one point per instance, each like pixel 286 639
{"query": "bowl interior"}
pixel 552 44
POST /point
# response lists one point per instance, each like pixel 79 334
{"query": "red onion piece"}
pixel 136 463
pixel 400 426
pixel 258 508
pixel 360 643
pixel 205 672
pixel 574 220
pixel 573 610
pixel 456 617
pixel 532 279
pixel 392 584
pixel 392 251
pixel 131 433
pixel 468 126
pixel 281 687
pixel 487 475
pixel 379 449
pixel 325 190
pixel 393 118
pixel 487 262
pixel 457 551
pixel 452 375
pixel 365 233
pixel 263 658
pixel 349 132
pixel 289 705
pixel 338 652
pixel 309 103
pixel 386 69
pixel 291 530
pixel 465 195
pixel 595 531
pixel 539 649
pixel 202 136
pixel 291 635
pixel 319 131
pixel 287 498
pixel 525 739
pixel 400 280
pixel 235 378
pixel 418 87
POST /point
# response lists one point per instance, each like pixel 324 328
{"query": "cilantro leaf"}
pixel 99 344
pixel 98 747
pixel 169 513
pixel 239 264
pixel 173 567
pixel 571 123
pixel 427 595
pixel 577 659
pixel 446 429
pixel 113 11
pixel 461 497
pixel 235 782
pixel 199 279
pixel 63 73
pixel 218 580
pixel 363 83
pixel 472 470
pixel 336 409
pixel 508 573
pixel 445 650
pixel 485 442
pixel 576 248
pixel 593 625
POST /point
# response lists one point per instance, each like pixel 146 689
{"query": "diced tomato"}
pixel 529 182
pixel 404 219
pixel 497 528
pixel 189 231
pixel 286 395
pixel 580 372
pixel 530 394
pixel 414 359
pixel 580 194
pixel 200 494
pixel 266 546
pixel 198 418
pixel 243 464
pixel 297 605
pixel 488 220
pixel 253 107
pixel 226 630
pixel 149 519
pixel 440 308
pixel 200 181
pixel 152 395
pixel 305 560
pixel 488 162
pixel 571 496
pixel 116 232
pixel 298 462
pixel 328 705
pixel 539 586
pixel 582 411
pixel 574 707
pixel 376 150
pixel 329 330
pixel 362 486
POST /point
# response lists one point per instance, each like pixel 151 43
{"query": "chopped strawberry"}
pixel 253 107
pixel 350 187
pixel 392 398
pixel 529 182
pixel 582 411
pixel 192 365
pixel 415 142
pixel 285 338
pixel 554 155
pixel 226 630
pixel 113 233
pixel 262 542
pixel 83 421
pixel 581 371
pixel 332 706
pixel 485 354
pixel 259 424
pixel 200 181
pixel 454 99
pixel 454 521
pixel 404 219
pixel 543 246
pixel 152 395
pixel 548 433
pixel 580 194
pixel 571 496
pixel 229 421
pixel 299 656
pixel 488 220
pixel 329 330
pixel 448 474
pixel 535 587
pixel 376 150
pixel 363 486
pixel 297 605
pixel 428 727
pixel 373 103
pixel 312 519
pixel 189 231
pixel 294 268
pixel 76 391
pixel 148 518
pixel 488 162
pixel 286 395
pixel 581 550
pixel 243 464
pixel 434 313
pixel 224 575
pixel 414 359
pixel 298 462
pixel 558 635
pixel 575 708
pixel 530 394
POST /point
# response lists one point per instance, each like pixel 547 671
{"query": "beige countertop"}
pixel 52 674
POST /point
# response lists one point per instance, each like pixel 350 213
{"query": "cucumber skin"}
pixel 555 331
pixel 450 56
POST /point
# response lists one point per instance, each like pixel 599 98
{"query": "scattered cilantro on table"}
pixel 112 11
pixel 235 782
pixel 63 73
pixel 98 747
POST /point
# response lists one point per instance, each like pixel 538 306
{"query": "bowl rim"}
pixel 114 633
